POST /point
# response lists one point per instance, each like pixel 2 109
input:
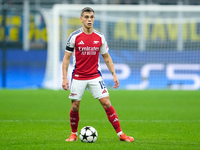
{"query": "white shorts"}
pixel 95 86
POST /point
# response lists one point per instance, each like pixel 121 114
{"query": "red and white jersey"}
pixel 86 49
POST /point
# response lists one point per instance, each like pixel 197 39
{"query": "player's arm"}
pixel 110 65
pixel 65 65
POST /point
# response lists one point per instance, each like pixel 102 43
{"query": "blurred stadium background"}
pixel 168 57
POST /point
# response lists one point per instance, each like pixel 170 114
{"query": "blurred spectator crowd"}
pixel 125 2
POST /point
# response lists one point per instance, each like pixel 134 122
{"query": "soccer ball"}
pixel 88 134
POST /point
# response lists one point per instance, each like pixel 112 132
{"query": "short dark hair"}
pixel 86 9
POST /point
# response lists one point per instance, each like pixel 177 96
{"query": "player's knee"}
pixel 107 105
pixel 105 102
pixel 75 106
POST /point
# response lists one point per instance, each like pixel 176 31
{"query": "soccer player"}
pixel 85 44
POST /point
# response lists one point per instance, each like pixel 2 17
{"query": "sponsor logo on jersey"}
pixel 96 42
pixel 88 48
pixel 81 43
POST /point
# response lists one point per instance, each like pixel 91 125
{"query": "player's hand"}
pixel 116 81
pixel 65 84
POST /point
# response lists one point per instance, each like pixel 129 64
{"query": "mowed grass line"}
pixel 39 119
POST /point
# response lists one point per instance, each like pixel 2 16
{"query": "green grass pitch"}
pixel 158 120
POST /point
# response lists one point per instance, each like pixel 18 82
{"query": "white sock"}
pixel 74 133
pixel 119 133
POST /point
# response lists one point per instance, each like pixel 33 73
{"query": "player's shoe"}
pixel 72 137
pixel 124 137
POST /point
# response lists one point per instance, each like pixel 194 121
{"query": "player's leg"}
pixel 111 113
pixel 99 90
pixel 113 118
pixel 74 120
pixel 77 90
pixel 74 116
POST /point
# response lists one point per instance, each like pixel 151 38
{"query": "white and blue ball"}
pixel 88 134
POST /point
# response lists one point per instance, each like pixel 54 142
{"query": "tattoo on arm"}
pixel 66 68
pixel 110 66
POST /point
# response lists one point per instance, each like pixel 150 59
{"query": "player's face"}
pixel 87 19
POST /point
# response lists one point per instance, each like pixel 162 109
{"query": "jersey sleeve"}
pixel 104 47
pixel 70 44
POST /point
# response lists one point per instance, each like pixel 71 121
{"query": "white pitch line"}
pixel 136 121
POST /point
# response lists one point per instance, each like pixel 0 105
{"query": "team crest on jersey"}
pixel 81 43
pixel 96 42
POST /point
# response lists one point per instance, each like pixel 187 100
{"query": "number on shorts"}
pixel 102 84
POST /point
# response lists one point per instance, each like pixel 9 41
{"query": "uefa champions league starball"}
pixel 88 134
